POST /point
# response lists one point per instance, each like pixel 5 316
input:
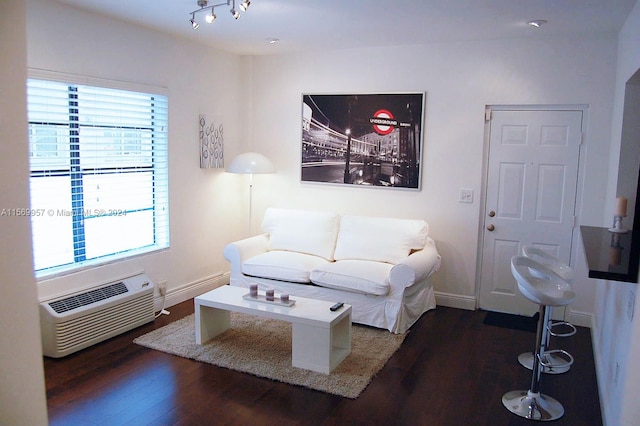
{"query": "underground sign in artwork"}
pixel 362 139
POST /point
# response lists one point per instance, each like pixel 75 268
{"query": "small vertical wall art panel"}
pixel 511 190
pixel 514 135
pixel 211 142
pixel 551 185
pixel 554 136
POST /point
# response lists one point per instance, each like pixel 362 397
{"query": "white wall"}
pixel 616 330
pixel 460 80
pixel 204 203
pixel 22 390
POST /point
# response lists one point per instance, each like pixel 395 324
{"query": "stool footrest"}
pixel 549 359
pixel 572 328
pixel 556 361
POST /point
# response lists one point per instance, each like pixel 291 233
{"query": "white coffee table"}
pixel 320 339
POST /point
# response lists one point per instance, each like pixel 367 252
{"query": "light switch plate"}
pixel 466 196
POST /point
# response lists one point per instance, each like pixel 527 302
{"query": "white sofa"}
pixel 380 266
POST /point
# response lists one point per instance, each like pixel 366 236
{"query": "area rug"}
pixel 262 347
pixel 516 322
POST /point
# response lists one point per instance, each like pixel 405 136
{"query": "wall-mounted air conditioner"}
pixel 80 320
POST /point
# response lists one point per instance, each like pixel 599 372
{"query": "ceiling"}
pixel 311 25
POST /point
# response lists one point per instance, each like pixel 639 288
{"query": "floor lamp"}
pixel 250 163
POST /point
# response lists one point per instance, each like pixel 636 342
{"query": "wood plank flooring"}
pixel 451 370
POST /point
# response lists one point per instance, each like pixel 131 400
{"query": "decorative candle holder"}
pixel 253 290
pixel 284 298
pixel 270 295
pixel 617 225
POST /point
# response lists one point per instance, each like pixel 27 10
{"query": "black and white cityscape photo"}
pixel 362 139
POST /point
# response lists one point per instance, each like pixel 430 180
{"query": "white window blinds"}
pixel 99 174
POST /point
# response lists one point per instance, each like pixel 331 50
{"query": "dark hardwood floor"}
pixel 451 370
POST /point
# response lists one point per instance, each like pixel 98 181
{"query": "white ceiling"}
pixel 309 25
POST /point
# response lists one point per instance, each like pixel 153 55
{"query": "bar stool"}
pixel 556 361
pixel 539 284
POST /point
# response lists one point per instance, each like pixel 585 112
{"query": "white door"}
pixel 530 197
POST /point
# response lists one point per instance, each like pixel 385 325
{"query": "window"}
pixel 99 184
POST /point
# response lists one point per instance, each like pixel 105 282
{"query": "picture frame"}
pixel 370 139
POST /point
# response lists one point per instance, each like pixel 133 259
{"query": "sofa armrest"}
pixel 416 267
pixel 239 251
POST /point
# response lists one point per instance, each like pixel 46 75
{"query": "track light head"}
pixel 235 13
pixel 211 17
pixel 245 5
pixel 194 24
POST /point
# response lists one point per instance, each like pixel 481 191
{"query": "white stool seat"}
pixel 551 290
pixel 565 271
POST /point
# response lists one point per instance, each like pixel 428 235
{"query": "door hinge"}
pixel 581 138
pixel 575 221
pixel 488 114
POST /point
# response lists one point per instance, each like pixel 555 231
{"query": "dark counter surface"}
pixel 611 256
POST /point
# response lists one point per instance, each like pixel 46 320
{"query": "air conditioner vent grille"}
pixel 84 299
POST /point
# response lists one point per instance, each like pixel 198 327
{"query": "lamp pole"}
pixel 347 172
pixel 250 200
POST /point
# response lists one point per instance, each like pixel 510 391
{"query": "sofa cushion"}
pixel 303 231
pixel 379 239
pixel 358 276
pixel 282 265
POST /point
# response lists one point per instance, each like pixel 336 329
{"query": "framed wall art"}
pixel 211 142
pixel 363 139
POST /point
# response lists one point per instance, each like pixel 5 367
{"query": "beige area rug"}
pixel 262 347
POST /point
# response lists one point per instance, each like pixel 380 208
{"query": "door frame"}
pixel 584 108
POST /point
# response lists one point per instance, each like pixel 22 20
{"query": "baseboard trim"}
pixel 195 288
pixel 455 301
pixel 581 319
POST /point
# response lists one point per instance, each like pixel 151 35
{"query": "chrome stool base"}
pixel 532 406
pixel 553 362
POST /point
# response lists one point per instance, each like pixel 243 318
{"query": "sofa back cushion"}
pixel 304 231
pixel 380 239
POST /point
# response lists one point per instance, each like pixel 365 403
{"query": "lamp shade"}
pixel 251 163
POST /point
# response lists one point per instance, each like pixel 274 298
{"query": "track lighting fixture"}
pixel 211 16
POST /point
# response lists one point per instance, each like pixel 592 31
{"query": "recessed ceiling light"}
pixel 272 40
pixel 537 23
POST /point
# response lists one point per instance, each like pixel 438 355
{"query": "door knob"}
pixel 490 227
pixel 492 213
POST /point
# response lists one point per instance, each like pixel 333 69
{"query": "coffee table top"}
pixel 305 311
